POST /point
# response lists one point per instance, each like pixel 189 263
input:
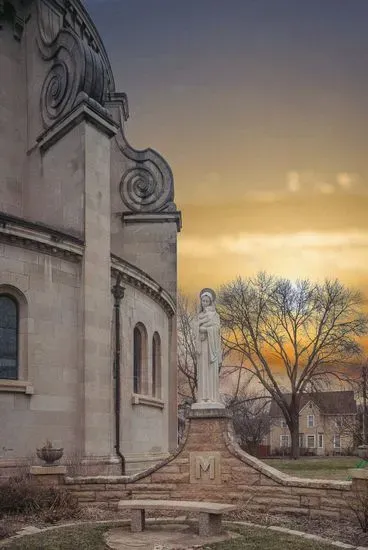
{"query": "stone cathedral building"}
pixel 88 235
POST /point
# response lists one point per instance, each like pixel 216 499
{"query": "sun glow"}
pixel 313 255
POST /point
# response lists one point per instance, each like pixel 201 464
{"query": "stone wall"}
pixel 209 465
pixel 72 188
pixel 145 418
pixel 43 402
pixel 46 279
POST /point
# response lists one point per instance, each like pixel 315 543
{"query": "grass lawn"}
pixel 316 467
pixel 264 539
pixel 91 538
pixel 82 537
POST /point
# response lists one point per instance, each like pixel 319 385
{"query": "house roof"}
pixel 329 402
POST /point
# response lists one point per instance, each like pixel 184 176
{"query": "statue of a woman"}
pixel 208 352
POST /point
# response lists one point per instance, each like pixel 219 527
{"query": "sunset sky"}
pixel 260 107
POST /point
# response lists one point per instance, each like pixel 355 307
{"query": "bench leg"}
pixel 137 521
pixel 209 524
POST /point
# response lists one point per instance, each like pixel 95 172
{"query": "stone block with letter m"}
pixel 205 467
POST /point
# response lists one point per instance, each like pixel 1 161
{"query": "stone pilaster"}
pixel 97 307
pixel 89 132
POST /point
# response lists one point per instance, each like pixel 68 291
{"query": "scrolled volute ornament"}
pixel 147 186
pixel 77 72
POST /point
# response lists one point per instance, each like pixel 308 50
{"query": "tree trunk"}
pixel 294 432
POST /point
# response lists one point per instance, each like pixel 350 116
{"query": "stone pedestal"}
pixel 207 405
pixel 209 524
pixel 48 475
pixel 209 412
pixel 138 520
pixel 359 478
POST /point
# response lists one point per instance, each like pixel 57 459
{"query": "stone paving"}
pixel 161 537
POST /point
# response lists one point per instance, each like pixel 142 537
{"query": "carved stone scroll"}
pixel 77 72
pixel 147 185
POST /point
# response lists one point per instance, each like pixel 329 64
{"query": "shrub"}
pixel 22 495
pixel 359 505
pixel 5 531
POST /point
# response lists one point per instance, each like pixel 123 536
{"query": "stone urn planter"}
pixel 49 454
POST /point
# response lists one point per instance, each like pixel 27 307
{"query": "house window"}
pixel 320 441
pixel 284 440
pixel 8 337
pixel 283 423
pixel 156 365
pixel 301 440
pixel 310 421
pixel 338 422
pixel 337 441
pixel 139 359
pixel 311 441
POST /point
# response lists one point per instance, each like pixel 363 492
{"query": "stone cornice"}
pixel 135 277
pixel 39 238
pixel 84 111
pixel 148 217
pixel 32 236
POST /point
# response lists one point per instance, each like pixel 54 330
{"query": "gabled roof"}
pixel 329 402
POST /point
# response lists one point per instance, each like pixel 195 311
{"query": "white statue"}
pixel 209 353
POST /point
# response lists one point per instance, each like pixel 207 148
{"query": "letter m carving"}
pixel 203 464
pixel 205 467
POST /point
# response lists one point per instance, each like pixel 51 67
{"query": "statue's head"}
pixel 208 297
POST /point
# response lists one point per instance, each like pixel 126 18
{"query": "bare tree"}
pixel 348 428
pixel 187 310
pixel 251 417
pixel 187 357
pixel 294 336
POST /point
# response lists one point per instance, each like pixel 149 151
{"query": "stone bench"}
pixel 209 513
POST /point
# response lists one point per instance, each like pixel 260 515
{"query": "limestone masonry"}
pixel 210 466
pixel 80 210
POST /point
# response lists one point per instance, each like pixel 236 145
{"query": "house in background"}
pixel 327 423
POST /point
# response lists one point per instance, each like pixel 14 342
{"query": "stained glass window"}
pixel 137 367
pixel 156 365
pixel 8 338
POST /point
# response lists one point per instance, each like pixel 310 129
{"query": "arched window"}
pixel 8 337
pixel 140 359
pixel 156 365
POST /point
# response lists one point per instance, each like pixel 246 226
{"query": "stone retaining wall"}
pixel 209 465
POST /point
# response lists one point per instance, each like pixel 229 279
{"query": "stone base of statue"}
pixel 207 405
pixel 209 414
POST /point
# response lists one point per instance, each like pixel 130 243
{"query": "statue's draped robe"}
pixel 210 355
